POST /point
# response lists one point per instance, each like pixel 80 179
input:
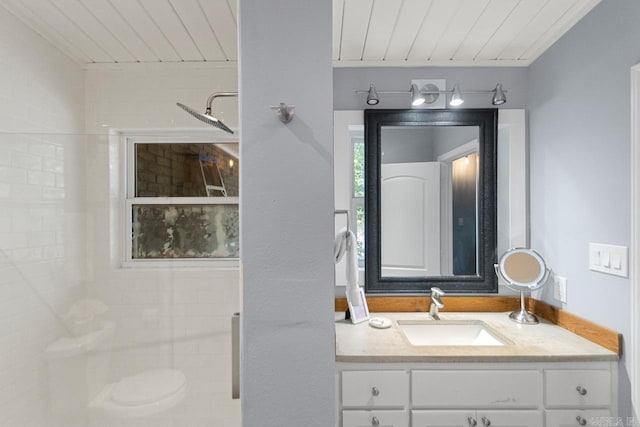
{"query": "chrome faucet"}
pixel 436 302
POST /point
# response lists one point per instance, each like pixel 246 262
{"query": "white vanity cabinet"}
pixel 536 394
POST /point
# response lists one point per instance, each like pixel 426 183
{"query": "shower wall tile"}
pixel 42 90
pixel 26 161
pixel 5 156
pixel 42 94
pixel 13 175
pixel 5 224
pixel 146 96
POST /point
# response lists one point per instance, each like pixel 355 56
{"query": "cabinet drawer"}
pixel 577 417
pixel 477 389
pixel 577 388
pixel 375 388
pixel 443 418
pixel 467 418
pixel 375 418
pixel 510 418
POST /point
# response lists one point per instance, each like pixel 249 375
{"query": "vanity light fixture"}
pixel 499 97
pixel 456 97
pixel 417 98
pixel 372 96
pixel 430 93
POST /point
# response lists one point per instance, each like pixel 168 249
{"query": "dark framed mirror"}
pixel 430 200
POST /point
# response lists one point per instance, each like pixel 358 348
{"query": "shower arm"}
pixel 217 95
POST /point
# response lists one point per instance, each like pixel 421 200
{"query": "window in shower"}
pixel 182 202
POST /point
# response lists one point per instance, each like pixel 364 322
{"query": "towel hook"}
pixel 344 212
pixel 285 112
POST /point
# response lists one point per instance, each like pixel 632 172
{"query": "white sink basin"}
pixel 439 332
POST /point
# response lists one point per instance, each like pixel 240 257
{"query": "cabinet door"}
pixel 576 417
pixel 375 418
pixel 461 418
pixel 509 418
pixel 375 389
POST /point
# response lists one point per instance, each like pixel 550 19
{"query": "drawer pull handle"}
pixel 486 422
pixel 375 422
pixel 472 422
pixel 581 420
pixel 581 390
pixel 375 391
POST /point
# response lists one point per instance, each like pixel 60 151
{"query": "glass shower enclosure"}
pixel 104 318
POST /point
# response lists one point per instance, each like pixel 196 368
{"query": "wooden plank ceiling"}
pixel 449 32
pixel 124 31
pixel 365 32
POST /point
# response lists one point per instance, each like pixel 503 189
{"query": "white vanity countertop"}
pixel 544 342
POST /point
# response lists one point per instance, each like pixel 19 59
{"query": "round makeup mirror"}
pixel 522 270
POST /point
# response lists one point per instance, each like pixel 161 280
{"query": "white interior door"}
pixel 410 219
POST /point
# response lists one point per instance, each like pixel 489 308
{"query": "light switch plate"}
pixel 560 288
pixel 609 259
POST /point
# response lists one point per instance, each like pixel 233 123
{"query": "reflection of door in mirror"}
pixel 410 219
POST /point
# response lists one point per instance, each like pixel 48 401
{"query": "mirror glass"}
pixel 522 268
pixel 429 201
pixel 430 184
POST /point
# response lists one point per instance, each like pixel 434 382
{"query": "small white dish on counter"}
pixel 380 322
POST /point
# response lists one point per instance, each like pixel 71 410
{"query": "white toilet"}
pixel 78 379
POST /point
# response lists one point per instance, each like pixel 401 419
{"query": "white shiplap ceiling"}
pixel 124 31
pixel 365 32
pixel 449 32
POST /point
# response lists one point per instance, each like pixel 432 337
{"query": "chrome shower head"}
pixel 205 117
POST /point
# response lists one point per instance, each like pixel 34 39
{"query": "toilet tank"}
pixel 78 368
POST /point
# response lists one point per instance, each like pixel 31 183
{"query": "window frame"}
pixel 128 140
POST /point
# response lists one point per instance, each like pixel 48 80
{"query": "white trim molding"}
pixel 514 121
pixel 634 264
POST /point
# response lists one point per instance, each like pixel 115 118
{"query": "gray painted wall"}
pixel 348 80
pixel 288 348
pixel 408 144
pixel 423 143
pixel 579 129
